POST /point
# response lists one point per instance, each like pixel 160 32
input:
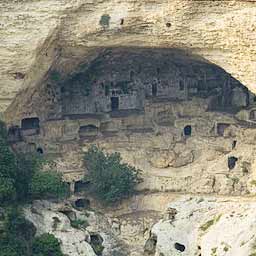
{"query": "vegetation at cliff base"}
pixel 47 184
pixel 46 245
pixel 22 180
pixel 111 180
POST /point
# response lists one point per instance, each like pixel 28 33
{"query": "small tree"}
pixel 47 184
pixel 3 130
pixel 8 172
pixel 46 245
pixel 111 179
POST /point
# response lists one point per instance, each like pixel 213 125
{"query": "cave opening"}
pixel 30 123
pixel 88 130
pixel 232 162
pixel 234 143
pixel 81 186
pixel 221 127
pixel 82 203
pixel 187 130
pixel 40 151
pixel 114 103
pixel 253 115
pixel 179 247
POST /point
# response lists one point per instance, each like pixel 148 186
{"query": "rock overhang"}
pixel 220 31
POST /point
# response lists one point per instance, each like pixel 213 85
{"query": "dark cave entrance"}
pixel 232 162
pixel 253 115
pixel 82 203
pixel 40 151
pixel 114 103
pixel 187 130
pixel 88 130
pixel 221 127
pixel 154 89
pixel 179 247
pixel 30 123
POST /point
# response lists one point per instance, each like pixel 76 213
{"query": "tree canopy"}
pixel 111 179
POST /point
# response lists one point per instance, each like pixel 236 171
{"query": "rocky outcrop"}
pixel 41 35
pixel 46 219
pixel 207 226
pixel 81 232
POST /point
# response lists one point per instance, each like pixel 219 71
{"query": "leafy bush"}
pixel 55 76
pixel 7 190
pixel 16 234
pixel 111 180
pixel 3 130
pixel 8 172
pixel 46 245
pixel 21 178
pixel 78 224
pixel 48 184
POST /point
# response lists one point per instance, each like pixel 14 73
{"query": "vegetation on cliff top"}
pixel 111 179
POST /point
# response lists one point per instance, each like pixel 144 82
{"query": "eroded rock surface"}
pixel 207 226
pixel 46 219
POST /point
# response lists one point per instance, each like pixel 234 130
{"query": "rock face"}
pixel 40 35
pixel 47 220
pixel 208 227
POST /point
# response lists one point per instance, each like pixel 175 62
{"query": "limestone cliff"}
pixel 37 35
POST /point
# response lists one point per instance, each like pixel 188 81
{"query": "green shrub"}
pixel 3 130
pixel 55 76
pixel 96 244
pixel 8 173
pixel 8 164
pixel 209 223
pixel 46 245
pixel 111 180
pixel 28 165
pixel 78 224
pixel 17 234
pixel 48 184
pixel 7 190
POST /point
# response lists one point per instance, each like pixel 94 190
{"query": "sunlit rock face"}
pixel 206 226
pixel 44 34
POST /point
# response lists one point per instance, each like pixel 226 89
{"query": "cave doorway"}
pixel 221 127
pixel 234 143
pixel 154 89
pixel 40 151
pixel 30 123
pixel 253 115
pixel 88 130
pixel 187 130
pixel 114 103
pixel 181 85
pixel 179 247
pixel 232 162
pixel 82 203
pixel 81 186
